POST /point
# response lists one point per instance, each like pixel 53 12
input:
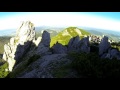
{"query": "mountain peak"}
pixel 68 33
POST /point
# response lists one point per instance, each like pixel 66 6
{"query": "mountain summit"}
pixel 70 32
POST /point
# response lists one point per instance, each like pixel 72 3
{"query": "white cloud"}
pixel 59 19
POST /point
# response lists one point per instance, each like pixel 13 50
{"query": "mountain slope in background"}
pixel 52 32
pixel 9 32
pixel 64 36
pixel 112 35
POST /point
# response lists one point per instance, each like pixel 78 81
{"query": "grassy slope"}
pixel 3 41
pixel 65 39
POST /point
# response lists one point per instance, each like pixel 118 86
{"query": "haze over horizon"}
pixel 100 20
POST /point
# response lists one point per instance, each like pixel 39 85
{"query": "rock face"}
pixel 83 45
pixel 45 66
pixel 77 45
pixel 72 45
pixel 44 45
pixel 112 53
pixel 19 44
pixel 105 50
pixel 26 32
pixel 59 49
pixel 115 53
pixel 104 46
pixel 46 39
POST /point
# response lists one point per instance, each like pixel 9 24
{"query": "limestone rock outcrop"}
pixel 72 45
pixel 59 49
pixel 19 44
pixel 26 32
pixel 77 45
pixel 83 45
pixel 46 39
pixel 104 46
pixel 44 45
pixel 45 66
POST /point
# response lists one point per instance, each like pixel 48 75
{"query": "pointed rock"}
pixel 44 45
pixel 104 46
pixel 19 44
pixel 72 45
pixel 46 39
pixel 26 32
pixel 83 45
pixel 59 49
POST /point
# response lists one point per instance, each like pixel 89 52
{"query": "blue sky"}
pixel 109 15
pixel 102 20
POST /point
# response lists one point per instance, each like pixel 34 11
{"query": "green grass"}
pixel 3 73
pixel 3 41
pixel 84 32
pixel 91 66
pixel 64 40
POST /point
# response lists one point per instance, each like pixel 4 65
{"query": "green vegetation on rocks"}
pixel 91 66
pixel 3 72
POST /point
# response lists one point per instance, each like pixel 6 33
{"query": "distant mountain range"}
pixel 52 30
pixel 113 35
pixel 8 32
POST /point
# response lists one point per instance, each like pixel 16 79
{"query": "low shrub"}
pixel 90 65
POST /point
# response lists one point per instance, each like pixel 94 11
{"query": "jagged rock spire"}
pixel 26 32
pixel 104 45
pixel 17 47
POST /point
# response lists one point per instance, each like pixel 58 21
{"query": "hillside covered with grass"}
pixel 70 32
pixel 3 40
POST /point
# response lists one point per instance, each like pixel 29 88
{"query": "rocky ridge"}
pixel 24 46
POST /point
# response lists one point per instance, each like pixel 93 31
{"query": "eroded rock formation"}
pixel 104 46
pixel 19 44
